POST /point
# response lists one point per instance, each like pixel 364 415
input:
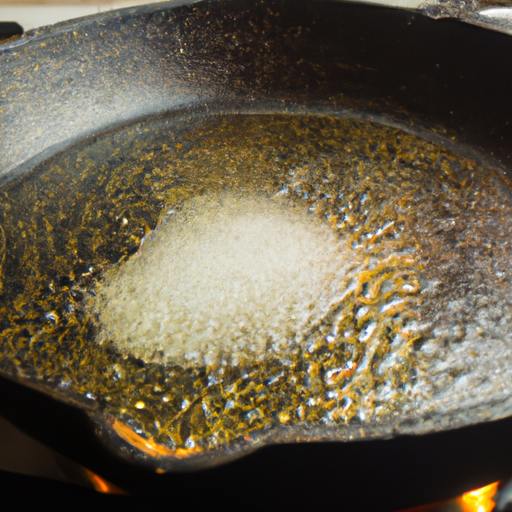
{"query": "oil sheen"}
pixel 212 283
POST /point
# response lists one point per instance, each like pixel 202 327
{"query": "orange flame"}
pixel 479 500
pixel 102 485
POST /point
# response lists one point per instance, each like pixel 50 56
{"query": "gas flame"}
pixel 479 500
pixel 102 485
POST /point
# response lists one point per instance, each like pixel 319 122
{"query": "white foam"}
pixel 228 274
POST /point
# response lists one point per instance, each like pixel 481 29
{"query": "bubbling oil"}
pixel 211 283
pixel 224 276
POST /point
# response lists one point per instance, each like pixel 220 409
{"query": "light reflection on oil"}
pixel 422 319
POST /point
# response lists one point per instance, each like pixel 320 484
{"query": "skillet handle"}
pixel 10 29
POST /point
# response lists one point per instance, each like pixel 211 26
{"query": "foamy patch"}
pixel 226 276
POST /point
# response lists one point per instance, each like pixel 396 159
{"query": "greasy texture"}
pixel 427 298
pixel 224 277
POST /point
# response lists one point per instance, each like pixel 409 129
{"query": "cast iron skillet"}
pixel 450 80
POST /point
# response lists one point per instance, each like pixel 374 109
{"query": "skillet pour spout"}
pixel 233 225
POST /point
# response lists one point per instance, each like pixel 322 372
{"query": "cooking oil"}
pixel 207 285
